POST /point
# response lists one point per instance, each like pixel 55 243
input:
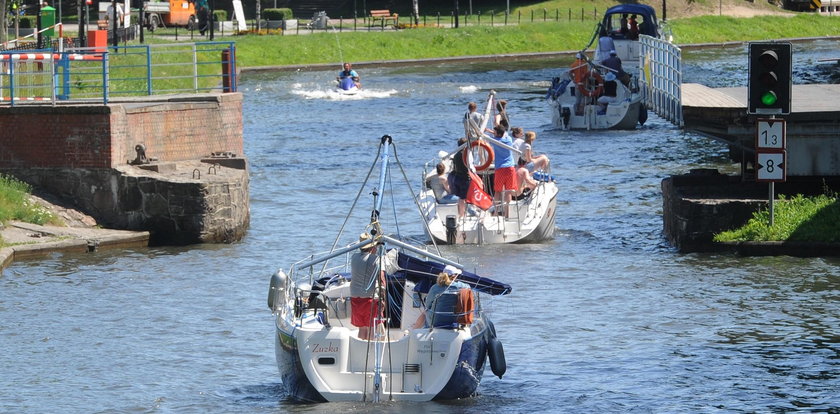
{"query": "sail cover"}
pixel 424 274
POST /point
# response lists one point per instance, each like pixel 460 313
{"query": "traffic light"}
pixel 769 81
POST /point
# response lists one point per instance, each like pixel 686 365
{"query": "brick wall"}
pixel 99 136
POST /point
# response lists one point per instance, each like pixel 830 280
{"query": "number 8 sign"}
pixel 770 166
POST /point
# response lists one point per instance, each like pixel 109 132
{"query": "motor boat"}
pixel 575 105
pixel 530 218
pixel 320 354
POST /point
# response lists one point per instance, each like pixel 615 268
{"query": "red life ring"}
pixel 486 147
pixel 593 85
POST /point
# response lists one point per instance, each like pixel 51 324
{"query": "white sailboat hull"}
pixel 529 221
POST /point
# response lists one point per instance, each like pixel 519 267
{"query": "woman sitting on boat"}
pixel 440 186
pixel 525 147
pixel 445 283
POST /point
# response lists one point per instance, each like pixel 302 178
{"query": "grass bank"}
pixel 424 43
pixel 15 204
pixel 799 218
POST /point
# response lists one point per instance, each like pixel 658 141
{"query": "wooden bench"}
pixel 102 25
pixel 384 16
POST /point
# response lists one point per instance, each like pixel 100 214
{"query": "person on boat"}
pixel 613 62
pixel 610 93
pixel 518 135
pixel 446 281
pixel 624 28
pixel 605 45
pixel 578 73
pixel 504 182
pixel 527 183
pixel 633 28
pixel 525 147
pixel 473 121
pixel 364 270
pixel 459 178
pixel 440 186
pixel 501 117
pixel 349 72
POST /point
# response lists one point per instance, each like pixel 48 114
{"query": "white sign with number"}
pixel 770 166
pixel 770 134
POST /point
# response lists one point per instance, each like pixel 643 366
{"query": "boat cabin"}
pixel 617 22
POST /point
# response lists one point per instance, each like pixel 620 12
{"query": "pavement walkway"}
pixel 19 240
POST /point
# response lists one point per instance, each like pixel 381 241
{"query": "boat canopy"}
pixel 424 274
pixel 647 14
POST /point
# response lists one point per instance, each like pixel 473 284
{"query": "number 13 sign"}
pixel 770 134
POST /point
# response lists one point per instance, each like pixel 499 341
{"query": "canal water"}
pixel 605 318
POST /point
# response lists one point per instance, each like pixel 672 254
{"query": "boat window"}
pixel 326 361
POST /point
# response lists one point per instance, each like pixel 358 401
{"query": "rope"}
pixel 353 206
pixel 414 198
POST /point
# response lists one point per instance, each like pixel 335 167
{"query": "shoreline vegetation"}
pixel 328 47
pixel 15 204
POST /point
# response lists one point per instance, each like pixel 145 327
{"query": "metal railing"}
pixel 100 73
pixel 661 78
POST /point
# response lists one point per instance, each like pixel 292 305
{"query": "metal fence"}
pixel 661 80
pixel 100 74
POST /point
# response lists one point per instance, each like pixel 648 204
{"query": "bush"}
pixel 277 14
pixel 220 15
pixel 27 22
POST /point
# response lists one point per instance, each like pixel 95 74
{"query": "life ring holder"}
pixel 590 88
pixel 487 148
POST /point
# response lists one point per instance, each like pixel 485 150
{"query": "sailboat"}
pixel 530 218
pixel 402 356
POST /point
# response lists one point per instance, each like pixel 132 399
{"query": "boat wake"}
pixel 334 94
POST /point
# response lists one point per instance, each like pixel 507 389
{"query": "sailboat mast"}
pixel 378 195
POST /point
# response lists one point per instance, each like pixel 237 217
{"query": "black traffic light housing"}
pixel 769 84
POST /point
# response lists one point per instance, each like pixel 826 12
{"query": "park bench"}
pixel 384 16
pixel 102 24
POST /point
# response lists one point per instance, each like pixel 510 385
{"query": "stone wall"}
pixel 81 154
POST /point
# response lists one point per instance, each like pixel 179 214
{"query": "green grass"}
pixel 429 42
pixel 15 204
pixel 800 218
pixel 714 29
pixel 419 43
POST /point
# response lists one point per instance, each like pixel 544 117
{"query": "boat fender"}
pixel 593 85
pixel 491 329
pixel 642 114
pixel 496 353
pixel 566 113
pixel 487 148
pixel 276 289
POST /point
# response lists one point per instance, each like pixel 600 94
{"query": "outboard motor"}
pixel 451 229
pixel 565 113
pixel 277 290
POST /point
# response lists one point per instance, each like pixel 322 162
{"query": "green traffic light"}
pixel 769 98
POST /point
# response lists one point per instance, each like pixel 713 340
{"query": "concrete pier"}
pixel 169 165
